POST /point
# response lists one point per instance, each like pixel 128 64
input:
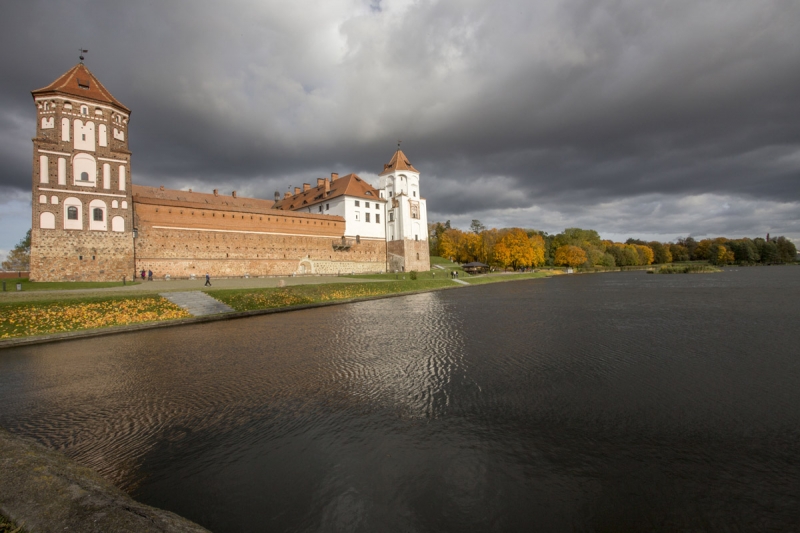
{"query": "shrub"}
pixel 413 274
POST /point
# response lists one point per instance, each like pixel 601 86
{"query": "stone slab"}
pixel 44 491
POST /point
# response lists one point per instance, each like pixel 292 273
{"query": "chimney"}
pixel 161 188
pixel 334 176
pixel 277 196
pixel 190 190
pixel 216 192
pixel 306 187
pixel 233 194
pixel 327 185
pixel 297 190
pixel 320 182
pixel 287 194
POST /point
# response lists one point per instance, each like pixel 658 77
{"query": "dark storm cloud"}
pixel 561 112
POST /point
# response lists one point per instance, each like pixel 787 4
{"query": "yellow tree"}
pixel 450 242
pixel 569 255
pixel 645 254
pixel 516 250
pixel 538 246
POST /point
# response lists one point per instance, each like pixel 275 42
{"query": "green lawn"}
pixel 499 277
pixel 11 285
pixel 270 298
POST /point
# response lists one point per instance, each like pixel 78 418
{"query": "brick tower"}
pixel 82 227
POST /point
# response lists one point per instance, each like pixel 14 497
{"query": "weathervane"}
pixel 81 51
pixel 398 144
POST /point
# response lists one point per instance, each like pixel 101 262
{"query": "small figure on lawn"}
pixel 208 280
pixel 143 273
pixel 149 275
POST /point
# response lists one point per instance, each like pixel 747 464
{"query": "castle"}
pixel 91 223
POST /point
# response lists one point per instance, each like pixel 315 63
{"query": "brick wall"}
pixel 408 254
pixel 181 241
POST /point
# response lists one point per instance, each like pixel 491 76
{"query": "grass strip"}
pixel 41 318
pixel 270 298
pixel 27 285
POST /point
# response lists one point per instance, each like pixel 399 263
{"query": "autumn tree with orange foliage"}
pixel 517 250
pixel 569 255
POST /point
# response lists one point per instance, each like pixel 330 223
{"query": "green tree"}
pixel 476 227
pixel 787 251
pixel 661 252
pixel 19 258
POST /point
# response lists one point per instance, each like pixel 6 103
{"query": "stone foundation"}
pixel 73 255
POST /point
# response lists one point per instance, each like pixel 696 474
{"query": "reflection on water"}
pixel 583 403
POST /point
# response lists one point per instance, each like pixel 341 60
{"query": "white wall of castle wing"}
pixel 366 222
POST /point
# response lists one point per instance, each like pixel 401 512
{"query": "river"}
pixel 608 402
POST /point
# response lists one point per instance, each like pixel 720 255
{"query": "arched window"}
pixel 98 221
pixel 118 224
pixel 72 213
pixel 84 176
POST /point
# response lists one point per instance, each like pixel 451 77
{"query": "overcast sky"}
pixel 649 119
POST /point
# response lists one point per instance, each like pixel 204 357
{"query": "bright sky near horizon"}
pixel 637 119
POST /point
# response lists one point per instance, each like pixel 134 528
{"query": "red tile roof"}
pixel 399 161
pixel 350 185
pixel 79 81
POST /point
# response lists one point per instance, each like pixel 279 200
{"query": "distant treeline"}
pixel 523 248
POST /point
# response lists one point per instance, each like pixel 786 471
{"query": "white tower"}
pixel 407 217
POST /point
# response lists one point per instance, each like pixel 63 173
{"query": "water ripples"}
pixel 551 403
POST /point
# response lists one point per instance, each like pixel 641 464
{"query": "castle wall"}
pixel 184 241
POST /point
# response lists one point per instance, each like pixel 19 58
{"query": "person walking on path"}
pixel 142 274
pixel 149 275
pixel 208 280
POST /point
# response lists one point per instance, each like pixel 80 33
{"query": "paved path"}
pixel 161 286
pixel 197 303
pixel 461 282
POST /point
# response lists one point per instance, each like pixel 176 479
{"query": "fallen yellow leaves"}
pixel 40 319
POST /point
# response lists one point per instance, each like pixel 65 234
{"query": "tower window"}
pixel 72 213
pixel 390 194
pixel 377 218
pixel 97 214
pixel 83 136
pixel 84 110
pixel 327 207
pixel 414 193
pixel 84 175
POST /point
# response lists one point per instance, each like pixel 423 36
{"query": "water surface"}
pixel 611 402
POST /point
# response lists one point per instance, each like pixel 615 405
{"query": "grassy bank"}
pixel 501 277
pixel 687 269
pixel 271 298
pixel 47 317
